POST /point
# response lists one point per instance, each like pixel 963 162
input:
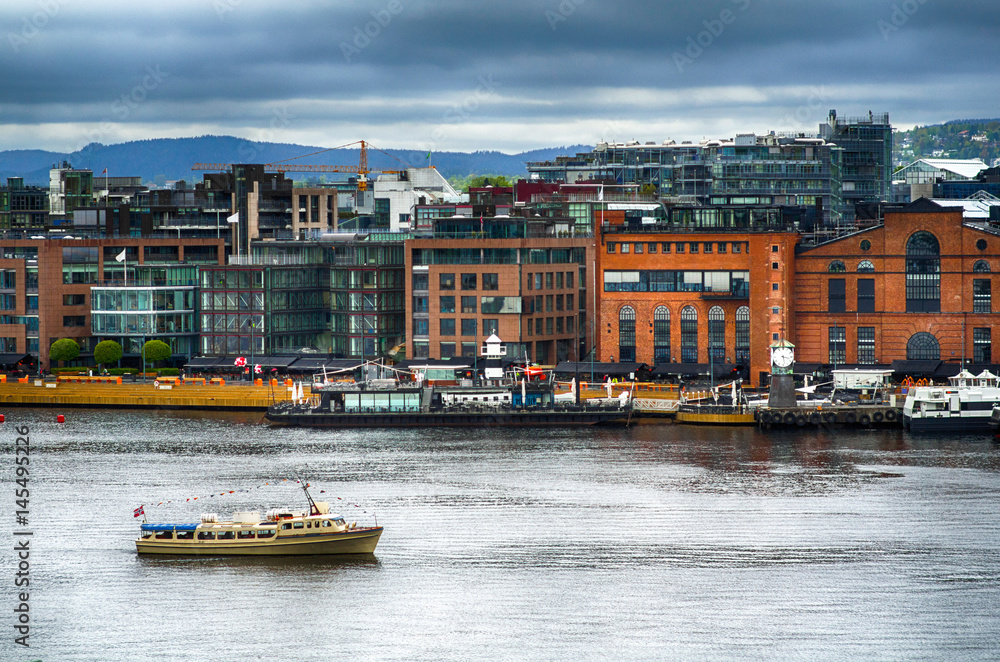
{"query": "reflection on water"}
pixel 648 543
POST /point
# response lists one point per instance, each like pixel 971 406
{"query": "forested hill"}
pixel 164 159
pixel 958 139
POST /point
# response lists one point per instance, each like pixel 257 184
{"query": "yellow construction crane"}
pixel 361 170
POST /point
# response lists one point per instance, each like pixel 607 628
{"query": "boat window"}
pixel 309 525
pixel 286 526
pixel 265 533
pixel 327 523
pixel 165 535
pixel 185 535
pixel 243 535
pixel 340 521
pixel 147 534
pixel 297 525
pixel 206 535
pixel 227 535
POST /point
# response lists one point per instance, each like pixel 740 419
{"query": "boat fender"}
pixel 877 417
pixel 865 420
pixel 789 418
pixel 851 417
pixel 830 417
pixel 890 414
pixel 765 417
pixel 352 525
pixel 814 418
pixel 800 420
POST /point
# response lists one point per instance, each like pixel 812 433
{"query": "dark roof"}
pixel 905 367
pixel 13 358
pixel 923 206
pixel 610 369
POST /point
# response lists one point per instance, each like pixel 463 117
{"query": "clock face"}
pixel 782 357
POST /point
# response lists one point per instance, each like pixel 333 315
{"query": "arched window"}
pixel 866 267
pixel 923 346
pixel 981 267
pixel 661 335
pixel 689 335
pixel 743 335
pixel 717 334
pixel 923 273
pixel 626 334
pixel 837 267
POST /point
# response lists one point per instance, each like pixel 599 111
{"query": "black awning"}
pixel 946 370
pixel 274 361
pixel 914 368
pixel 202 362
pixel 310 363
pixel 14 358
pixel 610 369
pixel 802 368
pixel 708 369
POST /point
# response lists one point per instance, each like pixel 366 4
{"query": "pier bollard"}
pixel 60 419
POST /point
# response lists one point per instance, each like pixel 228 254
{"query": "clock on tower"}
pixel 782 357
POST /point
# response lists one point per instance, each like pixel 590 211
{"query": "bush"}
pixel 123 371
pixel 74 370
pixel 168 372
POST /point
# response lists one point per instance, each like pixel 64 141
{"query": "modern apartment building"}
pixel 866 158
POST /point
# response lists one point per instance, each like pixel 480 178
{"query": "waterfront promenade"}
pixel 230 396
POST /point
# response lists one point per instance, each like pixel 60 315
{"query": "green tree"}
pixel 156 350
pixel 107 351
pixel 64 349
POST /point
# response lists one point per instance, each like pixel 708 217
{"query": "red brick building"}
pixel 917 287
pixel 702 298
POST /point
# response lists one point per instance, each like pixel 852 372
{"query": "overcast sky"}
pixel 508 75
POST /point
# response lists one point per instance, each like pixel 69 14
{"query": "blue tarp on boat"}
pixel 169 527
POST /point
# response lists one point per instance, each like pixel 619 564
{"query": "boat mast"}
pixel 313 510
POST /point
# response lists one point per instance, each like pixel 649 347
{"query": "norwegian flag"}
pixel 138 511
pixel 240 362
pixel 257 369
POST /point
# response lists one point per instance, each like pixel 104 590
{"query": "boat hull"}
pixel 357 541
pixel 947 423
pixel 526 418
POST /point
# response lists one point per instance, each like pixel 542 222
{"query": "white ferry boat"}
pixel 281 532
pixel 966 404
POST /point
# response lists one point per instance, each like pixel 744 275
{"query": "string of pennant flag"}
pixel 140 510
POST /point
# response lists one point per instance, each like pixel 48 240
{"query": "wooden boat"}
pixel 282 532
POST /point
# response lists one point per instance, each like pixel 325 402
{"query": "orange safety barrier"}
pixel 258 382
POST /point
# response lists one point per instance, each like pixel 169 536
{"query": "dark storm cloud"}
pixel 412 65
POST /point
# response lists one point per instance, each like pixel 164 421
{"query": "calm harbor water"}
pixel 656 542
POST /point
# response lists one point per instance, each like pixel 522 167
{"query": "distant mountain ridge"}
pixel 172 158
